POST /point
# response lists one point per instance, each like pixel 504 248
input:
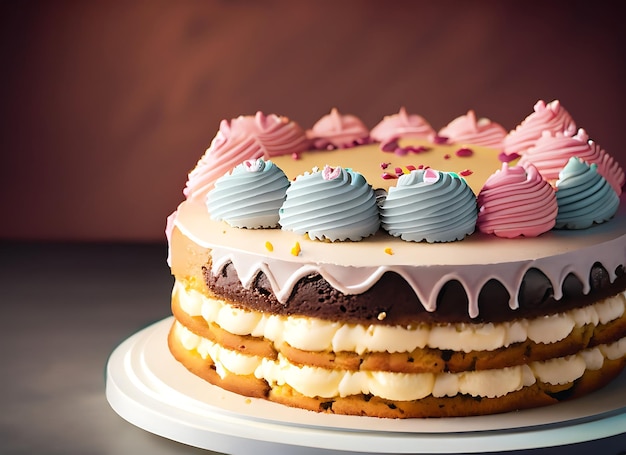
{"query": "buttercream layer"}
pixel 325 383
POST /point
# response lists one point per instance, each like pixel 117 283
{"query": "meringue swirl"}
pixel 335 131
pixel 552 151
pixel 332 204
pixel 516 201
pixel 546 117
pixel 428 205
pixel 240 139
pixel 249 196
pixel 584 197
pixel 401 125
pixel 467 129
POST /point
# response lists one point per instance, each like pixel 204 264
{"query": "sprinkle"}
pixel 384 166
pixel 330 173
pixel 431 176
pixel 410 167
pixel 254 165
pixel 295 156
pixel 400 151
pixel 269 246
pixel 399 171
pixel 440 139
pixel 388 176
pixel 506 158
pixel 416 149
pixel 466 172
pixel 389 146
pixel 382 315
pixel 296 249
pixel 389 251
pixel 421 166
pixel 464 152
pixel 446 156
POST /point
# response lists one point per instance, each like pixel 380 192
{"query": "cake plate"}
pixel 146 386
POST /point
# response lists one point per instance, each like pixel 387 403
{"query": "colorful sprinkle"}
pixel 295 251
pixel 440 139
pixel 399 171
pixel 389 146
pixel 269 246
pixel 254 165
pixel 506 158
pixel 446 156
pixel 401 151
pixel 431 176
pixel 388 176
pixel 464 152
pixel 331 173
pixel 466 172
pixel 384 166
pixel 295 156
pixel 410 167
pixel 389 251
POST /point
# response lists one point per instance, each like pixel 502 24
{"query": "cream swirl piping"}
pixel 584 197
pixel 546 117
pixel 244 138
pixel 429 205
pixel 467 129
pixel 333 204
pixel 516 202
pixel 338 131
pixel 552 151
pixel 401 125
pixel 250 196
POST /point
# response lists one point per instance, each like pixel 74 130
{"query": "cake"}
pixel 402 271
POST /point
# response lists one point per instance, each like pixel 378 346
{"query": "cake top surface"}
pixel 512 199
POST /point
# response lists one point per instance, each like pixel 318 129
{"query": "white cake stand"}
pixel 151 390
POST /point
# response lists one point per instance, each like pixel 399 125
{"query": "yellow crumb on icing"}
pixel 296 249
pixel 389 251
pixel 269 246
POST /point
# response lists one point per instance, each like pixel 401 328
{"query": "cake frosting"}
pixel 551 152
pixel 244 138
pixel 547 118
pixel 516 201
pixel 583 196
pixel 338 131
pixel 429 205
pixel 249 196
pixel 401 125
pixel 468 129
pixel 403 271
pixel 332 203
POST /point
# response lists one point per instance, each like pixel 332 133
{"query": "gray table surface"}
pixel 65 307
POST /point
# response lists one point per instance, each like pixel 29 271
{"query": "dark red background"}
pixel 106 105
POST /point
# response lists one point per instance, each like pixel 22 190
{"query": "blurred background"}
pixel 107 105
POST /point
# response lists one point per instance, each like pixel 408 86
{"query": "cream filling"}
pixel 320 382
pixel 312 334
